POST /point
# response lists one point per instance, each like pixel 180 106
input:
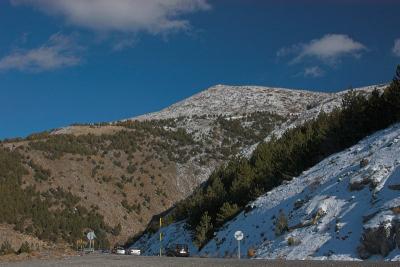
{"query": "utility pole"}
pixel 160 236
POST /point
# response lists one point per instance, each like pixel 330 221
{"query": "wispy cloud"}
pixel 396 47
pixel 123 44
pixel 132 16
pixel 58 52
pixel 313 72
pixel 329 49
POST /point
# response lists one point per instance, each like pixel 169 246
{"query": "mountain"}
pixel 344 208
pixel 113 177
pixel 331 190
pixel 238 100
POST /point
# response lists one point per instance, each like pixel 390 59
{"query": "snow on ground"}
pixel 175 233
pixel 327 207
pixel 235 100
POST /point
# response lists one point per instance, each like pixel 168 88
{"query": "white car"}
pixel 134 251
pixel 120 251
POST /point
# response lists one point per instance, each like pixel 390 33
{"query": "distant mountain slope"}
pixel 130 170
pixel 345 207
pixel 228 120
pixel 236 100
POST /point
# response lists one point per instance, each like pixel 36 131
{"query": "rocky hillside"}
pixel 344 208
pixel 239 100
pixel 122 173
pixel 331 188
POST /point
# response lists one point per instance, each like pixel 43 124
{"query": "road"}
pixel 115 260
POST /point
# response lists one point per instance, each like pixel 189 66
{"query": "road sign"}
pixel 91 236
pixel 238 235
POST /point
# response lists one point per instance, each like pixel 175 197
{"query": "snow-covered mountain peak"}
pixel 225 100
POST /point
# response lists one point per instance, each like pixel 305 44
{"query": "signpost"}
pixel 238 236
pixel 91 236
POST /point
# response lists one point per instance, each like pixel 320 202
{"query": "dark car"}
pixel 178 250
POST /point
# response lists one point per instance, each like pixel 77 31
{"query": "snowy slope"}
pixel 330 208
pixel 226 99
pixel 235 102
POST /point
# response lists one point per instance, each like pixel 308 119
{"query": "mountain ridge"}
pixel 130 170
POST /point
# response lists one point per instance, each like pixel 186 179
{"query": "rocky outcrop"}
pixel 372 175
pixel 380 240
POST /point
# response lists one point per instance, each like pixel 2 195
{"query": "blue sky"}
pixel 64 61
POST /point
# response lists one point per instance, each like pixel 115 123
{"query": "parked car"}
pixel 120 251
pixel 134 251
pixel 178 250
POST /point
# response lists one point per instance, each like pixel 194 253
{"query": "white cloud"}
pixel 59 51
pixel 396 47
pixel 152 16
pixel 313 72
pixel 328 48
pixel 123 44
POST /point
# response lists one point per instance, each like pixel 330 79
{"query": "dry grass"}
pixel 7 233
pixel 74 173
pixel 251 252
pixel 96 130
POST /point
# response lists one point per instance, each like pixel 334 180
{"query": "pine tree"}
pixel 240 190
pixel 392 97
pixel 226 212
pixel 396 78
pixel 203 230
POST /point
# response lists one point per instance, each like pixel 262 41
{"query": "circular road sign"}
pixel 91 235
pixel 238 235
